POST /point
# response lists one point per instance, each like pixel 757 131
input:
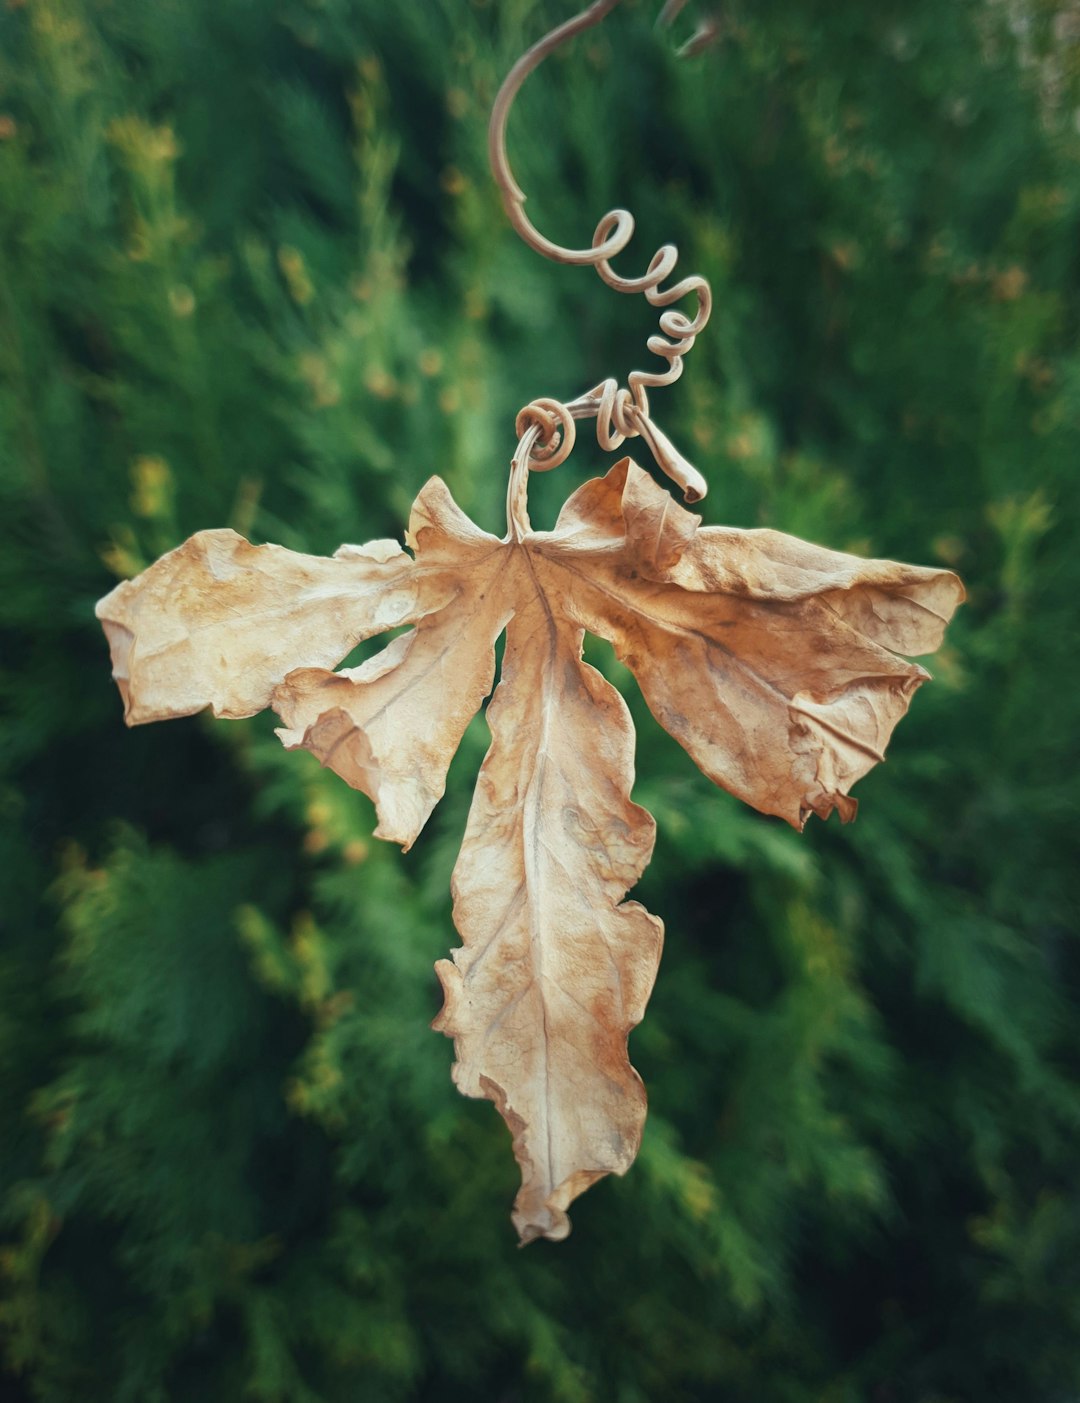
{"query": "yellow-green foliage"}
pixel 253 273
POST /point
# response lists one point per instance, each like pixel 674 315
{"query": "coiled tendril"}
pixel 620 412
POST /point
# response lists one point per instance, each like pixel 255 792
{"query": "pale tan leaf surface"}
pixel 218 622
pixel 554 972
pixel 774 662
pixel 391 727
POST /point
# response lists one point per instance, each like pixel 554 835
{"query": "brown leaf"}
pixel 772 661
pixel 767 658
pixel 554 972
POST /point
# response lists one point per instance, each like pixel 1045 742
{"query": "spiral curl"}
pixel 556 432
pixel 679 331
pixel 620 413
pixel 623 412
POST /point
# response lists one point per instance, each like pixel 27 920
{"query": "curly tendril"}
pixel 620 412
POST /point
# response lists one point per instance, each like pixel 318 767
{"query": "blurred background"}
pixel 253 273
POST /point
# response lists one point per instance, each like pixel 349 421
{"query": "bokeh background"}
pixel 254 273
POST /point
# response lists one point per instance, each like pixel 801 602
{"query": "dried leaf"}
pixel 218 622
pixel 771 661
pixel 554 972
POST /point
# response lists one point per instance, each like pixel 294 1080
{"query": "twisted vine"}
pixel 620 412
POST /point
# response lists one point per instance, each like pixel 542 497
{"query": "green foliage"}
pixel 252 272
